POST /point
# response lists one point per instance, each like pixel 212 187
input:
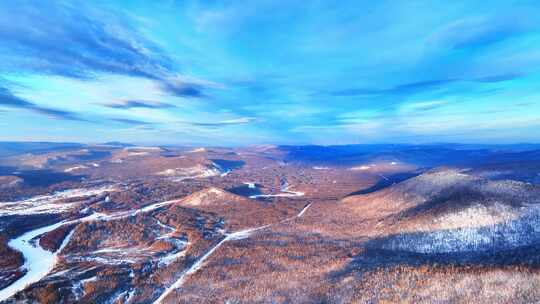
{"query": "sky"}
pixel 270 72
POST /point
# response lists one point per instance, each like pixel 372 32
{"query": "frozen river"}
pixel 38 262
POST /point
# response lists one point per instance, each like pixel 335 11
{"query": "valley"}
pixel 269 225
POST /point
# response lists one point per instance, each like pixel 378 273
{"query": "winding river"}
pixel 38 262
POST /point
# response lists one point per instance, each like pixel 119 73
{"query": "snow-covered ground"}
pixel 239 235
pixel 10 181
pixel 151 207
pixel 222 171
pixel 250 185
pixel 48 203
pixel 74 168
pixel 285 192
pixel 199 263
pixel 197 150
pixel 304 210
pixel 361 168
pixel 130 255
pixel 38 261
pixel 143 153
pixel 174 255
pixel 197 171
pixel 205 197
pixel 168 228
pixel 384 177
pixel 510 233
pixel 78 289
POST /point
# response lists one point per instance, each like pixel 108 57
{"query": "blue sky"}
pixel 277 72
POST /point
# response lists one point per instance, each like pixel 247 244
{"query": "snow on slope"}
pixel 205 197
pixel 74 168
pixel 48 203
pixel 285 192
pixel 39 262
pixel 197 171
pixel 449 211
pixel 523 231
pixel 239 235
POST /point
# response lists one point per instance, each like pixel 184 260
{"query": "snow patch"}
pixel 48 203
pixel 138 148
pixel 506 235
pixel 79 167
pixel 239 235
pixel 285 192
pixel 78 289
pixel 203 197
pixel 250 185
pixel 361 168
pixel 304 210
pixel 172 257
pixel 197 150
pixel 197 171
pixel 38 262
pixel 138 153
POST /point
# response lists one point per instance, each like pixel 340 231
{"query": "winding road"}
pixel 239 235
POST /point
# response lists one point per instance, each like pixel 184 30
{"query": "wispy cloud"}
pixel 309 72
pixel 229 122
pixel 406 88
pixel 481 31
pixel 61 40
pixel 424 105
pixel 422 86
pixel 130 104
pixel 183 89
pixel 133 122
pixel 499 78
pixel 77 41
pixel 184 86
pixel 8 99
